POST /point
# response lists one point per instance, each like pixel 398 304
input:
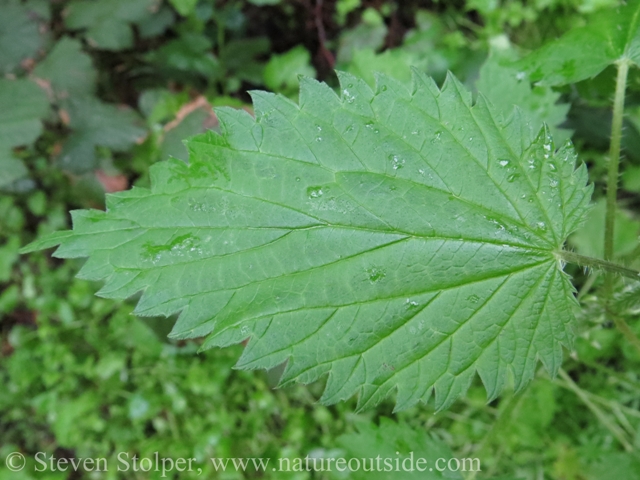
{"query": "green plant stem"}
pixel 595 263
pixel 612 175
pixel 606 422
pixel 610 269
pixel 588 284
pixel 615 377
pixel 626 331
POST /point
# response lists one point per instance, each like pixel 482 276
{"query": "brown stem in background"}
pixel 322 35
pixel 396 31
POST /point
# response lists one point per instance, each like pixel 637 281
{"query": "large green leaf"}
pixel 584 52
pixel 398 240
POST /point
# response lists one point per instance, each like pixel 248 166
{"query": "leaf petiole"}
pixel 610 269
pixel 596 263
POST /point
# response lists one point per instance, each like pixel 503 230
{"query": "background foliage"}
pixel 94 92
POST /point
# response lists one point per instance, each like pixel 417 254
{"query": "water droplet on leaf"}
pixel 314 192
pixel 410 305
pixel 396 162
pixel 375 274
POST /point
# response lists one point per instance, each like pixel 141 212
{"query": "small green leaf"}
pixel 12 169
pixel 156 24
pixel 22 35
pixel 23 105
pixel 397 240
pixel 589 241
pixel 68 69
pixel 631 178
pixel 241 60
pixel 184 7
pixel 344 8
pixel 366 35
pixel 613 465
pixel 507 87
pixel 375 451
pixel 282 71
pixel 189 53
pixel 95 123
pixel 586 51
pixel 108 22
pixel 397 62
pixel 398 441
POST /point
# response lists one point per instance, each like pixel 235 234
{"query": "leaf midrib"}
pixel 472 281
pixel 322 222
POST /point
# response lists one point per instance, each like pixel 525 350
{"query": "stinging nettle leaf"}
pixel 397 240
pixel 584 52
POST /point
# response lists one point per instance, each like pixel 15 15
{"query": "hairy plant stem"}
pixel 611 269
pixel 612 174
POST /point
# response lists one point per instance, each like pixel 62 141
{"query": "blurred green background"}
pixel 94 92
